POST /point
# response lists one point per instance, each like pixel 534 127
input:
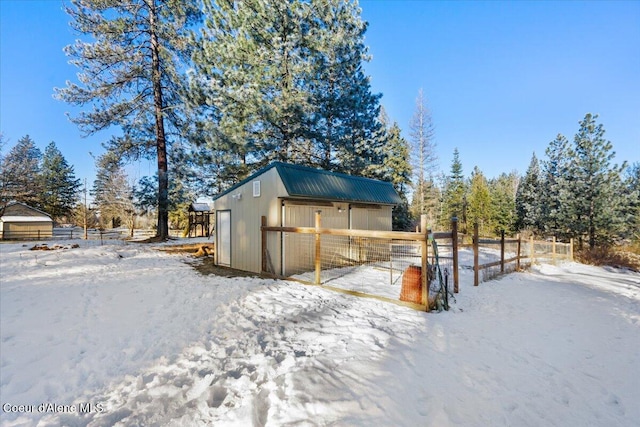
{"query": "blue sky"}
pixel 502 78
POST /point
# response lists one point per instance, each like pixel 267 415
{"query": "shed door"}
pixel 223 233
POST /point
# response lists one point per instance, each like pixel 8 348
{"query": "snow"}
pixel 147 340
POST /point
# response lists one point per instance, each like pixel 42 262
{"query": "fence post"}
pixel 532 249
pixel 553 250
pixel 571 249
pixel 318 263
pixel 502 251
pixel 518 254
pixel 425 265
pixel 263 252
pixel 454 248
pixel 476 249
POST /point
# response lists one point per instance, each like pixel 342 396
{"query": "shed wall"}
pixel 27 230
pixel 246 211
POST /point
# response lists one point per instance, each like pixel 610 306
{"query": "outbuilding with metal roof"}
pixel 288 196
pixel 21 221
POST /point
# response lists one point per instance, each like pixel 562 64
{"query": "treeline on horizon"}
pixel 215 91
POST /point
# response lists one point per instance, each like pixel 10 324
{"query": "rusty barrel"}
pixel 412 285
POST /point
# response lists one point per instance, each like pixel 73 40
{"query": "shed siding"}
pixel 245 220
pixel 371 219
pixel 27 230
pixel 299 249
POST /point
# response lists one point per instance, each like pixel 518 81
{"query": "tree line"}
pixel 576 192
pixel 214 91
pixel 45 181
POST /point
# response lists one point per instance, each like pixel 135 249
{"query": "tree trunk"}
pixel 162 231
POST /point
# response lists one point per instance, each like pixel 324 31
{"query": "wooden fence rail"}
pixel 549 249
pixel 422 237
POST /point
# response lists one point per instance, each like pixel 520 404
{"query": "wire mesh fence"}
pixel 494 257
pixel 76 233
pixel 388 265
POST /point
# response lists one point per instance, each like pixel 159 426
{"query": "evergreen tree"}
pixel 283 80
pixel 503 202
pixel 251 71
pixel 345 109
pixel 21 173
pixel 632 207
pixel 454 202
pixel 529 199
pixel 555 194
pixel 479 209
pixel 112 192
pixel 59 184
pixel 131 76
pixel 395 169
pixel 596 205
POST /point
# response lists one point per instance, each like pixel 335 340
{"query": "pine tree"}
pixel 283 80
pixel 454 202
pixel 632 207
pixel 345 109
pixel 555 194
pixel 395 169
pixel 131 76
pixel 479 210
pixel 112 192
pixel 252 68
pixel 503 202
pixel 21 173
pixel 59 184
pixel 596 206
pixel 529 199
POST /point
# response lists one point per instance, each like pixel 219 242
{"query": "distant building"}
pixel 20 221
pixel 288 196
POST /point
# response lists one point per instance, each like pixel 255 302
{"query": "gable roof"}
pixel 304 182
pixel 199 207
pixel 17 211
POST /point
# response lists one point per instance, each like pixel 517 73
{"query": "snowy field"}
pixel 132 336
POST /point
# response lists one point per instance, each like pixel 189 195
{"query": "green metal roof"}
pixel 316 184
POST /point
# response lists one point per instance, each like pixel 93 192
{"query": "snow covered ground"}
pixel 135 336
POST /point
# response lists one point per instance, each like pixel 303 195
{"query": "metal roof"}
pixel 315 184
pixel 199 207
pixel 14 208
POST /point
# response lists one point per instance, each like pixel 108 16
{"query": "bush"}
pixel 609 256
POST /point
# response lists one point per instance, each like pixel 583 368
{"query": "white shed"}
pixel 288 196
pixel 20 221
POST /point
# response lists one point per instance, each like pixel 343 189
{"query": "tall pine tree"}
pixel 59 184
pixel 555 194
pixel 455 195
pixel 131 76
pixel 503 202
pixel 283 80
pixel 596 206
pixel 529 199
pixel 479 209
pixel 20 172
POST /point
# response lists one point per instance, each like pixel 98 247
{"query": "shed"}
pixel 21 221
pixel 288 196
pixel 199 220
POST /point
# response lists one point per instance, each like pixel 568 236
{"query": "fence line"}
pixel 539 251
pixel 324 256
pixel 76 233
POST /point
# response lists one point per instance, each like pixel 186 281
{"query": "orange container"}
pixel 412 285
